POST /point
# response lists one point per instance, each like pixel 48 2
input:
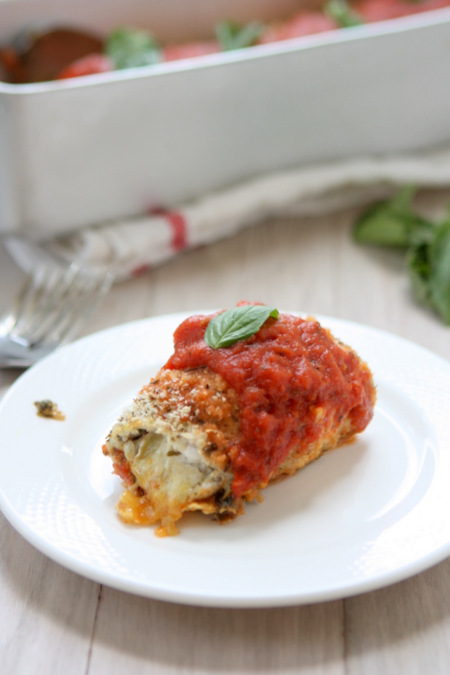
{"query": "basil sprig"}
pixel 427 246
pixel 236 324
pixel 232 35
pixel 340 11
pixel 131 48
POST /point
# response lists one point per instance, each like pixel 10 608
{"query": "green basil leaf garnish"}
pixel 130 48
pixel 340 11
pixel 237 324
pixel 231 35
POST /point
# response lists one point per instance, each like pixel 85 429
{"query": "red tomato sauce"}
pixel 290 369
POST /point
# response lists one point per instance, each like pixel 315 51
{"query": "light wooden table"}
pixel 53 621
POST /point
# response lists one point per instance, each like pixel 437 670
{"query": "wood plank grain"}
pixel 401 629
pixel 47 612
pixel 173 639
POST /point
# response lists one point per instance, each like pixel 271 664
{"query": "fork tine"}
pixel 54 305
pixel 23 304
pixel 39 301
pixel 51 306
pixel 80 303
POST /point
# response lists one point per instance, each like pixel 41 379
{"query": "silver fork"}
pixel 49 311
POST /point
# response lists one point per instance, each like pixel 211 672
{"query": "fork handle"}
pixel 13 355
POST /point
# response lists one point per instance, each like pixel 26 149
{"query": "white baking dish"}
pixel 112 146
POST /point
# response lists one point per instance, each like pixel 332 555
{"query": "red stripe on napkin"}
pixel 142 269
pixel 179 229
pixel 177 224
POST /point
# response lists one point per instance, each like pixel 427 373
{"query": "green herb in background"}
pixel 394 223
pixel 237 324
pixel 439 271
pixel 231 35
pixel 341 12
pixel 427 245
pixel 131 48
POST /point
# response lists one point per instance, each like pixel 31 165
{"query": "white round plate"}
pixel 368 514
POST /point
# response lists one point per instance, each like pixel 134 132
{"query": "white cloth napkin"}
pixel 130 247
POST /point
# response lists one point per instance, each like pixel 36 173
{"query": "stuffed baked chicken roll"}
pixel 248 395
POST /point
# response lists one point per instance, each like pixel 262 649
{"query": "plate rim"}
pixel 239 601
